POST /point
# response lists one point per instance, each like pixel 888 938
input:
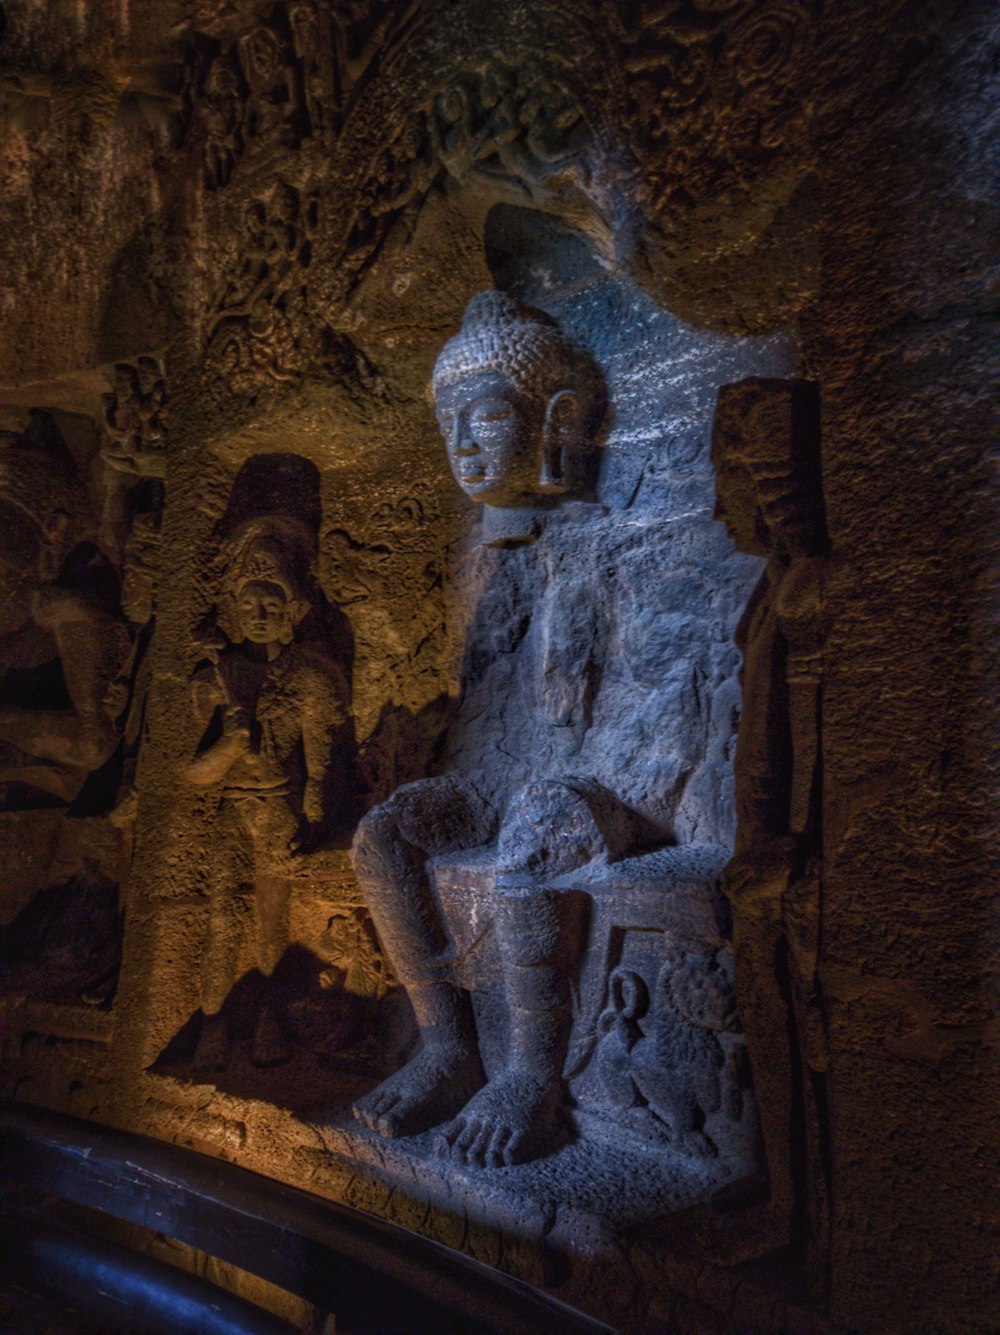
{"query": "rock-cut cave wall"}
pixel 669 768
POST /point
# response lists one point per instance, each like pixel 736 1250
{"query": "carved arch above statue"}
pixel 324 133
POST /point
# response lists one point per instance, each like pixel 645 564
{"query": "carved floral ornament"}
pixel 306 68
pixel 696 102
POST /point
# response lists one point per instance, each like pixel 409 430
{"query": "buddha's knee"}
pixel 397 835
pixel 553 826
pixel 375 838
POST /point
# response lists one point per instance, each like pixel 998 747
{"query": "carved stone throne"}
pixel 655 1051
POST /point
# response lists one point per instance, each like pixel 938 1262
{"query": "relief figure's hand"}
pixel 213 764
pixel 236 723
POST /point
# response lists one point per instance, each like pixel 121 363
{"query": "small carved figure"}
pixel 221 115
pixel 273 77
pixel 450 126
pixel 766 453
pixel 659 1059
pixel 314 42
pixel 264 700
pixel 134 449
pixel 550 133
pixel 273 232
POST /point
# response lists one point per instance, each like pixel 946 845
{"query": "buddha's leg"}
pixel 517 1116
pixel 390 852
pixel 551 827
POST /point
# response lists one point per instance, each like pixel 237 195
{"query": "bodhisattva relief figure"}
pixel 271 709
pixel 766 453
pixel 515 404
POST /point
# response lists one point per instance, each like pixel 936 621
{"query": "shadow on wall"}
pixel 66 944
pixel 341 1029
pixel 403 746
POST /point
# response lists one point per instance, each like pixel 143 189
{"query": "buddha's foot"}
pixel 430 1088
pixel 211 1052
pixel 514 1119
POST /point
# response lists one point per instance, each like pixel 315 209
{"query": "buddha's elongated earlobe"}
pixel 560 415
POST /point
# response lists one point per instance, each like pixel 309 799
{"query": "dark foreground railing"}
pixel 63 1279
pixel 375 1277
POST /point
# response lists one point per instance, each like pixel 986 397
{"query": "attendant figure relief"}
pixel 270 709
pixel 769 495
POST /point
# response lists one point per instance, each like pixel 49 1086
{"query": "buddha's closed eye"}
pixel 492 412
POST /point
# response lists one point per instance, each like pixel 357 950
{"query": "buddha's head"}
pixel 765 449
pixel 514 400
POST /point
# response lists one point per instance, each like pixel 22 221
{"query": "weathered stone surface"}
pixel 234 240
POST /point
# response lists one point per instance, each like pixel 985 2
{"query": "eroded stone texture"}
pixel 266 220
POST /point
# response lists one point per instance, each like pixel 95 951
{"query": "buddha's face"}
pixel 494 435
pixel 265 613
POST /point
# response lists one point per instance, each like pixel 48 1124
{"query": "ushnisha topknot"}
pixel 502 334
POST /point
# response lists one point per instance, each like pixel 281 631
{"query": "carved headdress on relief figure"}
pixel 275 549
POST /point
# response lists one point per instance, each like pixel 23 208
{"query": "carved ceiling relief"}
pixel 703 99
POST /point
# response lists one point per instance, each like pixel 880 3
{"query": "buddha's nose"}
pixel 462 440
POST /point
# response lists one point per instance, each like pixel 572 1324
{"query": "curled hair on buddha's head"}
pixel 504 335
